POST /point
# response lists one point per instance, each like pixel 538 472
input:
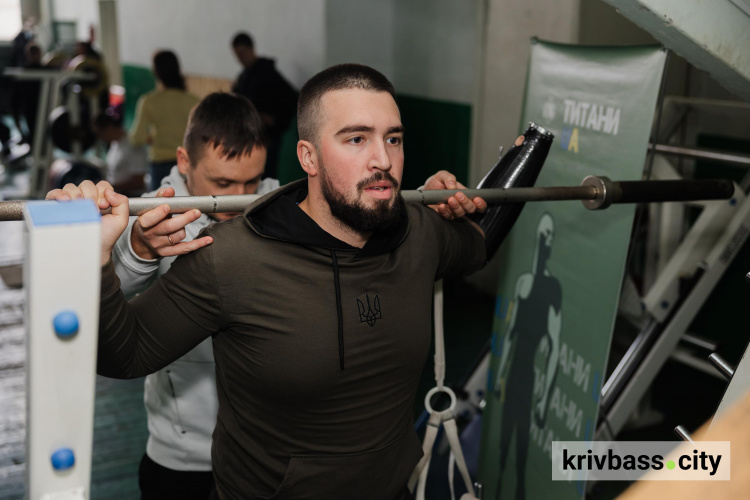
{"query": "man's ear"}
pixel 183 160
pixel 308 157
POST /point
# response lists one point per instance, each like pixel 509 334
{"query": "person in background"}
pixel 273 97
pixel 223 153
pixel 162 115
pixel 26 95
pixel 86 59
pixel 126 164
pixel 19 43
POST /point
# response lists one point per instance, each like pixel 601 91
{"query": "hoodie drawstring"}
pixel 338 307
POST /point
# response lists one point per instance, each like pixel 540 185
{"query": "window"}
pixel 10 19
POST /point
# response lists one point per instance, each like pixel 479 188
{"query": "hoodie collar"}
pixel 277 215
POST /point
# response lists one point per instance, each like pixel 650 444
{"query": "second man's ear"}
pixel 183 160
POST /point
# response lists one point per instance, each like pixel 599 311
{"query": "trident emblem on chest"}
pixel 370 314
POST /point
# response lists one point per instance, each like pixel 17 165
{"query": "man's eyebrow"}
pixel 355 128
pixel 397 129
pixel 232 181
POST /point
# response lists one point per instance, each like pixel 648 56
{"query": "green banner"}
pixel 563 265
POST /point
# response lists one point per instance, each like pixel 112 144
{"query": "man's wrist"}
pixel 139 247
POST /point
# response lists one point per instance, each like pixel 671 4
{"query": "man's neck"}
pixel 331 225
pixel 249 63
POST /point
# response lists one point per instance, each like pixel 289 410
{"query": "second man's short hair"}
pixel 228 122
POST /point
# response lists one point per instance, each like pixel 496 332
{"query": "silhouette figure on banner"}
pixel 535 324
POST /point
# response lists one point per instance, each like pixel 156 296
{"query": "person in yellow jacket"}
pixel 162 115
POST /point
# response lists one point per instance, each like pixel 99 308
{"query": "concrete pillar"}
pixel 508 27
pixel 108 40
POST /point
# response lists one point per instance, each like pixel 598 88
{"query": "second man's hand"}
pixel 114 223
pixel 157 234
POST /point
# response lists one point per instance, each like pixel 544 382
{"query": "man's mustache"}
pixel 377 177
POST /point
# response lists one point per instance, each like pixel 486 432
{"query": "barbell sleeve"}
pixel 595 192
pixel 618 192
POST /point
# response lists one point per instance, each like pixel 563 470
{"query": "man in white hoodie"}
pixel 223 152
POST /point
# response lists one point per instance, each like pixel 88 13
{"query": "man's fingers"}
pixel 177 222
pixel 118 202
pixel 153 216
pixel 466 204
pixel 89 190
pixel 176 237
pixel 480 204
pixel 100 188
pixel 456 209
pixel 57 194
pixel 450 181
pixel 441 180
pixel 73 191
pixel 163 226
pixel 167 192
pixel 444 211
pixel 185 247
pixel 519 140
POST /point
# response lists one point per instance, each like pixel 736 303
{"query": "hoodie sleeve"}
pixel 163 323
pixel 461 248
pixel 134 272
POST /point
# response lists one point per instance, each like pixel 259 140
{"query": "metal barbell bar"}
pixel 595 192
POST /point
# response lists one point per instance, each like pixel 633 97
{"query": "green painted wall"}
pixel 137 81
pixel 437 137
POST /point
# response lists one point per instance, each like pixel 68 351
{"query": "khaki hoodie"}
pixel 319 345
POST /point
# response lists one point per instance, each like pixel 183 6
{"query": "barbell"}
pixel 596 193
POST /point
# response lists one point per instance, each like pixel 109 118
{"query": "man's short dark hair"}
pixel 107 118
pixel 167 69
pixel 242 39
pixel 339 77
pixel 224 121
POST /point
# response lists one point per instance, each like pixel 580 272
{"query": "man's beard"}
pixel 385 215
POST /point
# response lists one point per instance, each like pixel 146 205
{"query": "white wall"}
pixel 84 12
pixel 361 31
pixel 436 49
pixel 200 32
pixel 427 48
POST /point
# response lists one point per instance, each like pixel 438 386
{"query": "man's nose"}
pixel 380 159
pixel 236 188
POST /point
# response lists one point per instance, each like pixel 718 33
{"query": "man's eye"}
pixel 356 140
pixel 394 140
pixel 222 185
